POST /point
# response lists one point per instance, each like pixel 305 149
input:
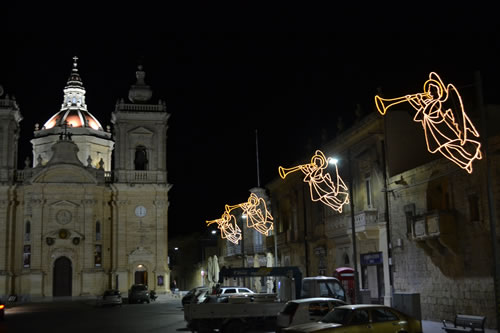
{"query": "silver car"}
pixel 111 297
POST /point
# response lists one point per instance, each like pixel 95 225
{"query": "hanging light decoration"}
pixel 322 188
pixel 447 127
pixel 256 214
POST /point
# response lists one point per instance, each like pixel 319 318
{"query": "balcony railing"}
pixel 436 230
pixel 139 176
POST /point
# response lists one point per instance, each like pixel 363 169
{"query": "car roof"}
pixel 320 278
pixel 362 306
pixel 316 299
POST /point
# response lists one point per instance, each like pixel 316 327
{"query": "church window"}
pixel 141 158
pixel 98 231
pixel 27 231
pixel 98 255
pixel 27 256
pixel 74 100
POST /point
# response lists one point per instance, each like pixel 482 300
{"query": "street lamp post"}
pixel 353 229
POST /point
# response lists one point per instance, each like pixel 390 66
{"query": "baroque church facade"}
pixel 90 211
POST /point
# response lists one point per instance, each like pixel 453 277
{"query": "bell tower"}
pixel 140 189
pixel 10 117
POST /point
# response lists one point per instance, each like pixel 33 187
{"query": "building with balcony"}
pixel 441 225
pixel 317 238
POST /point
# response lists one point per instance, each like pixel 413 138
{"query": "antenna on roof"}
pixel 257 153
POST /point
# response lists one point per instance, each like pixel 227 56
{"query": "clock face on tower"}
pixel 140 211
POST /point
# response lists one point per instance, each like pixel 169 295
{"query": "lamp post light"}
pixel 334 160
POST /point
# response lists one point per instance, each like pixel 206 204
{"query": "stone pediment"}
pixel 140 131
pixel 140 254
pixel 64 173
pixel 64 204
pixel 141 136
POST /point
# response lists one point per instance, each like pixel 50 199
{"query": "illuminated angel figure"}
pixel 258 217
pixel 228 227
pixel 322 188
pixel 446 130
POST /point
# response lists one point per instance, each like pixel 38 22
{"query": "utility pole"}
pixel 491 205
pixel 353 230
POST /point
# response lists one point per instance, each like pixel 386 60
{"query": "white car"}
pixel 231 291
pixel 306 310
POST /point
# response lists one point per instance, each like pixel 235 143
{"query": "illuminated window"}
pixel 27 256
pixel 98 255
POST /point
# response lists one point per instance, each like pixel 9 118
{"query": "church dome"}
pixel 74 111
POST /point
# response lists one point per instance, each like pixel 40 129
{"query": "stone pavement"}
pixel 428 326
pixel 437 327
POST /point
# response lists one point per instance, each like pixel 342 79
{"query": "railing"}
pixel 8 103
pixel 432 224
pixel 108 176
pixel 365 219
pixel 139 107
pixel 140 176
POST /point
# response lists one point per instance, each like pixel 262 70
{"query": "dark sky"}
pixel 221 87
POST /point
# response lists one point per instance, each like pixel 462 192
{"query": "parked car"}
pixel 300 311
pixel 111 297
pixel 231 291
pixel 194 294
pixel 2 310
pixel 138 293
pixel 358 317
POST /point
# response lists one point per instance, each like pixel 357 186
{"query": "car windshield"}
pixel 338 316
pixel 139 288
pixel 290 308
pixel 331 289
pixel 111 292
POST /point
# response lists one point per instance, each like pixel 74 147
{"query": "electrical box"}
pixel 408 303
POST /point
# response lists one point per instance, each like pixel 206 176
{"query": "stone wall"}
pixel 451 270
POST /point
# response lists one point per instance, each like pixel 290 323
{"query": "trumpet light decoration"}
pixel 321 186
pixel 258 217
pixel 447 127
pixel 228 227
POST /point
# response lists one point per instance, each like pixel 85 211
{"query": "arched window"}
pixel 98 231
pixel 141 158
pixel 27 231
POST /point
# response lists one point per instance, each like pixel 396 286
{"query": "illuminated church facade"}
pixel 90 210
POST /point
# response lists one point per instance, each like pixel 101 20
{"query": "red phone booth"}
pixel 346 277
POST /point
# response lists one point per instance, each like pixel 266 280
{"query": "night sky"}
pixel 222 87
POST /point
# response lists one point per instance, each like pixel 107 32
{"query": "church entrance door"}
pixel 141 277
pixel 62 282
